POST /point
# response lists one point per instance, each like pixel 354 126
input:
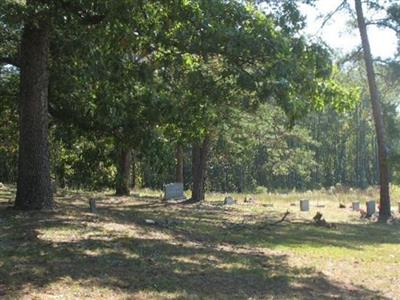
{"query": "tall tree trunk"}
pixel 199 167
pixel 179 164
pixel 33 183
pixel 384 211
pixel 123 172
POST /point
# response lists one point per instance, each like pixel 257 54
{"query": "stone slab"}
pixel 174 191
pixel 304 205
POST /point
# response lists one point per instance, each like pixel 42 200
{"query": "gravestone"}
pixel 355 205
pixel 174 191
pixel 399 207
pixel 304 205
pixel 371 208
pixel 92 205
pixel 229 201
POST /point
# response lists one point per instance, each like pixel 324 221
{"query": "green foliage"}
pixel 148 75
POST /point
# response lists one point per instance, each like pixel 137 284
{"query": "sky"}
pixel 336 32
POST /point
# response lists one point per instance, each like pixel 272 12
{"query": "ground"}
pixel 197 251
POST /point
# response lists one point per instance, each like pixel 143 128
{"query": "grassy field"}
pixel 197 251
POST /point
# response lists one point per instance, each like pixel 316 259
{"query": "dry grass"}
pixel 203 251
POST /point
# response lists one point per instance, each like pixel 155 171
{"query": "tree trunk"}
pixel 123 172
pixel 179 164
pixel 33 183
pixel 133 170
pixel 384 210
pixel 199 167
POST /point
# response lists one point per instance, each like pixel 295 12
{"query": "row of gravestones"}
pixel 174 191
pixel 371 206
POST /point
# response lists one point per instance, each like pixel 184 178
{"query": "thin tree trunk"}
pixel 179 164
pixel 123 172
pixel 199 166
pixel 133 170
pixel 33 183
pixel 384 211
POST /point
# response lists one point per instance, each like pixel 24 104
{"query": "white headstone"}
pixel 371 208
pixel 174 191
pixel 355 205
pixel 304 205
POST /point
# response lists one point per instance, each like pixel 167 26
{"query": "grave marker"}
pixel 304 205
pixel 371 208
pixel 229 201
pixel 174 191
pixel 355 205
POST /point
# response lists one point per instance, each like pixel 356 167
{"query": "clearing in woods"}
pixel 200 251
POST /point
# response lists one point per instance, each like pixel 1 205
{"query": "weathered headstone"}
pixel 174 191
pixel 229 201
pixel 371 208
pixel 355 206
pixel 92 205
pixel 1 186
pixel 304 205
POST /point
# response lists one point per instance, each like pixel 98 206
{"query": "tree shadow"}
pixel 202 260
pixel 213 223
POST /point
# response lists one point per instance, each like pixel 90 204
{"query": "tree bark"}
pixel 384 210
pixel 33 183
pixel 123 179
pixel 179 164
pixel 199 167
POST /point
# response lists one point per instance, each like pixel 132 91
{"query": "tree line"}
pixel 210 93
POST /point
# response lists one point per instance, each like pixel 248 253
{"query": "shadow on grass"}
pixel 212 223
pixel 202 261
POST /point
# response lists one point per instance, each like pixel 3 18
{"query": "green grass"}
pixel 199 251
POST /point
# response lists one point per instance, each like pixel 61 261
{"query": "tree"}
pixel 384 211
pixel 33 184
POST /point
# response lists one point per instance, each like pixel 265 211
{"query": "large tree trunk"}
pixel 199 167
pixel 384 210
pixel 33 183
pixel 122 187
pixel 179 164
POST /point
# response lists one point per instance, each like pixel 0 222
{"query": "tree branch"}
pixel 87 18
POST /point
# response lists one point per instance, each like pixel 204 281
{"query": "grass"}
pixel 199 251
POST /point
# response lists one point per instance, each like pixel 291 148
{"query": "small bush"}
pixel 261 190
